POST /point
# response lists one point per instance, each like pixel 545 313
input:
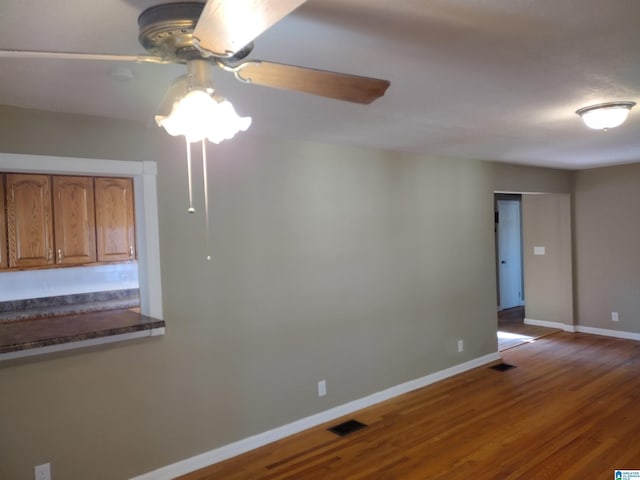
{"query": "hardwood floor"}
pixel 511 316
pixel 512 331
pixel 569 410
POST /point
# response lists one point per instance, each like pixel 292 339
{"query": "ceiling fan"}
pixel 220 33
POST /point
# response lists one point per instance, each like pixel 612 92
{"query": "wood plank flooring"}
pixel 512 331
pixel 569 410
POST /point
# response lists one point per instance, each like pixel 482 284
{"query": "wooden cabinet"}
pixel 3 226
pixel 115 227
pixel 74 220
pixel 61 220
pixel 29 220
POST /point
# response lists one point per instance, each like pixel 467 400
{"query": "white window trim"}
pixel 146 209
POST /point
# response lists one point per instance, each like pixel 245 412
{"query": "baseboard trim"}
pixel 584 329
pixel 183 467
pixel 608 333
pixel 545 323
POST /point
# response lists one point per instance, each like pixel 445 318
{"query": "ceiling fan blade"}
pixel 341 86
pixel 81 56
pixel 225 26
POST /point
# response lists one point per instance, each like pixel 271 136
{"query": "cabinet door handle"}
pixel 131 252
pixel 50 255
pixel 60 256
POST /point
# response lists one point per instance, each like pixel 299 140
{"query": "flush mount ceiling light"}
pixel 604 116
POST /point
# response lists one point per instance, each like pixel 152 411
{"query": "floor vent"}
pixel 347 427
pixel 502 367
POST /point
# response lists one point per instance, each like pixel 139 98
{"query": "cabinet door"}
pixel 29 221
pixel 3 226
pixel 74 220
pixel 115 236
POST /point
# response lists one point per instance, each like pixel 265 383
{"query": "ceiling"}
pixel 473 79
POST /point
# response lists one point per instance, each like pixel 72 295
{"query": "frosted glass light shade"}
pixel 605 115
pixel 197 115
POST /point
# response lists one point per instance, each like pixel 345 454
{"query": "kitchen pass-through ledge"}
pixel 23 338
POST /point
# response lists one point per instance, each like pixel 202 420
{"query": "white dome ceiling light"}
pixel 604 116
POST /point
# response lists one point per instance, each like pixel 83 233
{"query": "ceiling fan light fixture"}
pixel 198 116
pixel 190 109
pixel 604 116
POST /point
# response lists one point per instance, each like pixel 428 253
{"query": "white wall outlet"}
pixel 614 316
pixel 460 345
pixel 43 472
pixel 322 388
pixel 539 250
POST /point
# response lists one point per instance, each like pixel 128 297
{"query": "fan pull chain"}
pixel 205 179
pixel 191 209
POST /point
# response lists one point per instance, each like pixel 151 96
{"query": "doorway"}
pixel 533 250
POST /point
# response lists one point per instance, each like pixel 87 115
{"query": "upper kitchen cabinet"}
pixel 74 220
pixel 63 220
pixel 29 220
pixel 3 226
pixel 115 227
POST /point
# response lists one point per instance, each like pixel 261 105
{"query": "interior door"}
pixel 509 254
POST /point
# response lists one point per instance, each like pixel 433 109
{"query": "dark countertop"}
pixel 66 305
pixel 42 332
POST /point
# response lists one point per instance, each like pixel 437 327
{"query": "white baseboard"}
pixel 545 323
pixel 608 333
pixel 584 329
pixel 242 446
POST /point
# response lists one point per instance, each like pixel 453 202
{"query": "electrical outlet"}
pixel 460 345
pixel 322 388
pixel 43 472
pixel 614 316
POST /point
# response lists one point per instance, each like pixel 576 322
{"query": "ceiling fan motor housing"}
pixel 166 30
